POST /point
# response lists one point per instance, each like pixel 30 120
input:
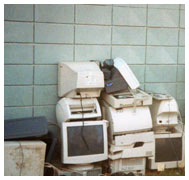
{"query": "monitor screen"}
pixel 85 140
pixel 168 149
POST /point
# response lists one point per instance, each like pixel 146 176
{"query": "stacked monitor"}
pixel 83 131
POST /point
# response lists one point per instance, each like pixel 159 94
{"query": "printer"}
pixel 131 138
pixel 68 109
pixel 164 111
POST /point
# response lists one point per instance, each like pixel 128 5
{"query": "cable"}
pixel 53 124
pixel 84 140
pixel 49 165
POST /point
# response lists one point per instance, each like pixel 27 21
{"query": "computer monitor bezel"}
pixel 84 158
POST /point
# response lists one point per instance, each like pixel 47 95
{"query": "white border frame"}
pixel 85 158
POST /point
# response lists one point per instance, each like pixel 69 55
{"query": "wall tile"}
pixel 54 33
pixel 48 111
pixel 162 36
pixel 87 14
pixel 92 52
pixel 18 95
pixel 92 34
pixel 17 112
pixel 138 71
pixel 129 35
pixel 46 74
pixel 131 54
pixel 182 37
pixel 45 95
pixel 52 54
pixel 161 55
pixel 129 16
pixel 59 13
pixel 19 12
pixel 18 54
pixel 142 86
pixel 167 88
pixel 18 32
pixel 182 18
pixel 163 18
pixel 181 104
pixel 181 73
pixel 180 90
pixel 18 74
pixel 132 5
pixel 164 6
pixel 181 55
pixel 161 73
pixel 182 6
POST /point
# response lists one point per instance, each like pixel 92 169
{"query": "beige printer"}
pixel 68 109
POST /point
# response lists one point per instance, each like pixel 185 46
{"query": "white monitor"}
pixel 84 142
pixel 79 79
pixel 169 150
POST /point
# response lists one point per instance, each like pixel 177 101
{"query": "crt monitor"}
pixel 79 79
pixel 84 142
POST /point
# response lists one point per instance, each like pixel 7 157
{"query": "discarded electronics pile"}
pixel 142 128
pixel 105 119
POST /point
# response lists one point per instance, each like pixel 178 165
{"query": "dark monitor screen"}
pixel 168 149
pixel 85 140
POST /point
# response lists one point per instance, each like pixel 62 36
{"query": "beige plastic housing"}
pixel 126 73
pixel 24 158
pixel 68 109
pixel 132 146
pixel 128 99
pixel 79 79
pixel 131 139
pixel 164 112
pixel 169 164
pixel 127 120
pixel 134 165
pixel 118 152
pixel 84 159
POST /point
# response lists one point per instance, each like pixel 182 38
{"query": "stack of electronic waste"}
pixel 168 132
pixel 131 138
pixel 84 132
pixel 24 149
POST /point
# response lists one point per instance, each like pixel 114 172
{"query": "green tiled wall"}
pixel 150 38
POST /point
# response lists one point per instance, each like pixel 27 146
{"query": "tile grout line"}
pixel 33 60
pixel 74 32
pixel 103 25
pixel 31 85
pixel 146 47
pixel 127 63
pixel 111 31
pixel 84 44
pixel 178 51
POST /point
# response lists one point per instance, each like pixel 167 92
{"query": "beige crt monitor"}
pixel 79 79
pixel 84 142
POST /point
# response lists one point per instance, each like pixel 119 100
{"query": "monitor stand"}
pixel 81 167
